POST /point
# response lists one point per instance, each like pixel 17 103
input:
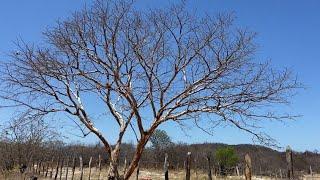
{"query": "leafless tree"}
pixel 23 137
pixel 148 67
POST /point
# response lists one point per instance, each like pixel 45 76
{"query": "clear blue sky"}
pixel 288 34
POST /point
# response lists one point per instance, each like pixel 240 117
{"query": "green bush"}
pixel 226 157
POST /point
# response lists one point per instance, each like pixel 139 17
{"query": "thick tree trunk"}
pixel 113 173
pixel 140 147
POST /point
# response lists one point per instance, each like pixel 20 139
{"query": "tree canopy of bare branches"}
pixel 22 138
pixel 147 68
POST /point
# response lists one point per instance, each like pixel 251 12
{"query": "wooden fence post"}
pixel 214 170
pixel 29 165
pixel 125 165
pixel 67 168
pixel 237 171
pixel 43 168
pixel 248 168
pixel 99 165
pixel 209 168
pixel 195 166
pixel 289 163
pixel 47 169
pixel 165 167
pixel 51 172
pixel 33 167
pixel 90 161
pixel 73 167
pixel 57 170
pixel 38 167
pixel 61 167
pixel 310 169
pixel 219 170
pixel 188 164
pixel 81 168
pixel 260 172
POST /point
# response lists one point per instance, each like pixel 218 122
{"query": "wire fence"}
pixel 75 168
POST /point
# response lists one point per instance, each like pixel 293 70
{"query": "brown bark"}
pixel 139 150
pixel 113 172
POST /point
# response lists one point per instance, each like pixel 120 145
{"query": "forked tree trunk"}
pixel 113 173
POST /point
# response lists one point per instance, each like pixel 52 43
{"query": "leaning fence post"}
pixel 237 171
pixel 188 164
pixel 81 168
pixel 89 176
pixel 209 168
pixel 73 167
pixel 99 165
pixel 165 167
pixel 289 163
pixel 248 168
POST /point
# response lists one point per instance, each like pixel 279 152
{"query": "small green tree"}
pixel 226 157
pixel 160 140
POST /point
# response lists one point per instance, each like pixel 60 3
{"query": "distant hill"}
pixel 264 158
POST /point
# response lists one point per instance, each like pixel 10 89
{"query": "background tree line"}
pixel 43 144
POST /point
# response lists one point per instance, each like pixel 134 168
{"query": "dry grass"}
pixel 145 174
